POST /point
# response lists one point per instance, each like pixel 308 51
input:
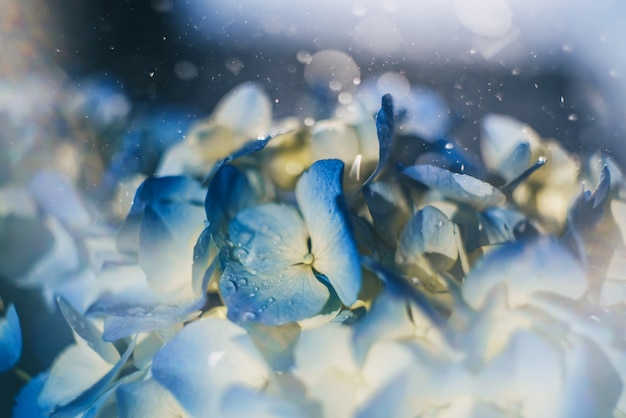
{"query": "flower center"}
pixel 308 259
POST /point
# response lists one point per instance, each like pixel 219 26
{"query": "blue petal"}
pixel 154 190
pixel 585 214
pixel 516 163
pixel 445 154
pixel 203 359
pixel 389 207
pixel 384 129
pixel 10 339
pixel 229 192
pixel 91 396
pixel 510 187
pixel 272 299
pixel 268 238
pixel 26 399
pixel 320 197
pixel 399 286
pixel 249 147
pixel 168 233
pixel 457 187
pixel 498 224
pixel 88 332
pixel 203 264
pixel 429 232
pixel 123 320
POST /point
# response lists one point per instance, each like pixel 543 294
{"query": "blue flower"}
pixel 285 265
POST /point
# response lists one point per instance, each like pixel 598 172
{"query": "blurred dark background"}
pixel 191 54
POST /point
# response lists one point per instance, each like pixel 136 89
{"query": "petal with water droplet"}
pixel 320 197
pixel 123 321
pixel 290 295
pixel 457 187
pixel 88 332
pixel 229 192
pixel 268 238
pixel 498 224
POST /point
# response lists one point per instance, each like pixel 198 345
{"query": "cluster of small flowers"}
pixel 360 265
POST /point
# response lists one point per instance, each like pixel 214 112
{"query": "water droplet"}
pixel 136 311
pixel 572 117
pixel 439 224
pixel 256 288
pixel 252 295
pixel 248 316
pixel 245 238
pixel 271 300
pixel 242 281
pixel 240 253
